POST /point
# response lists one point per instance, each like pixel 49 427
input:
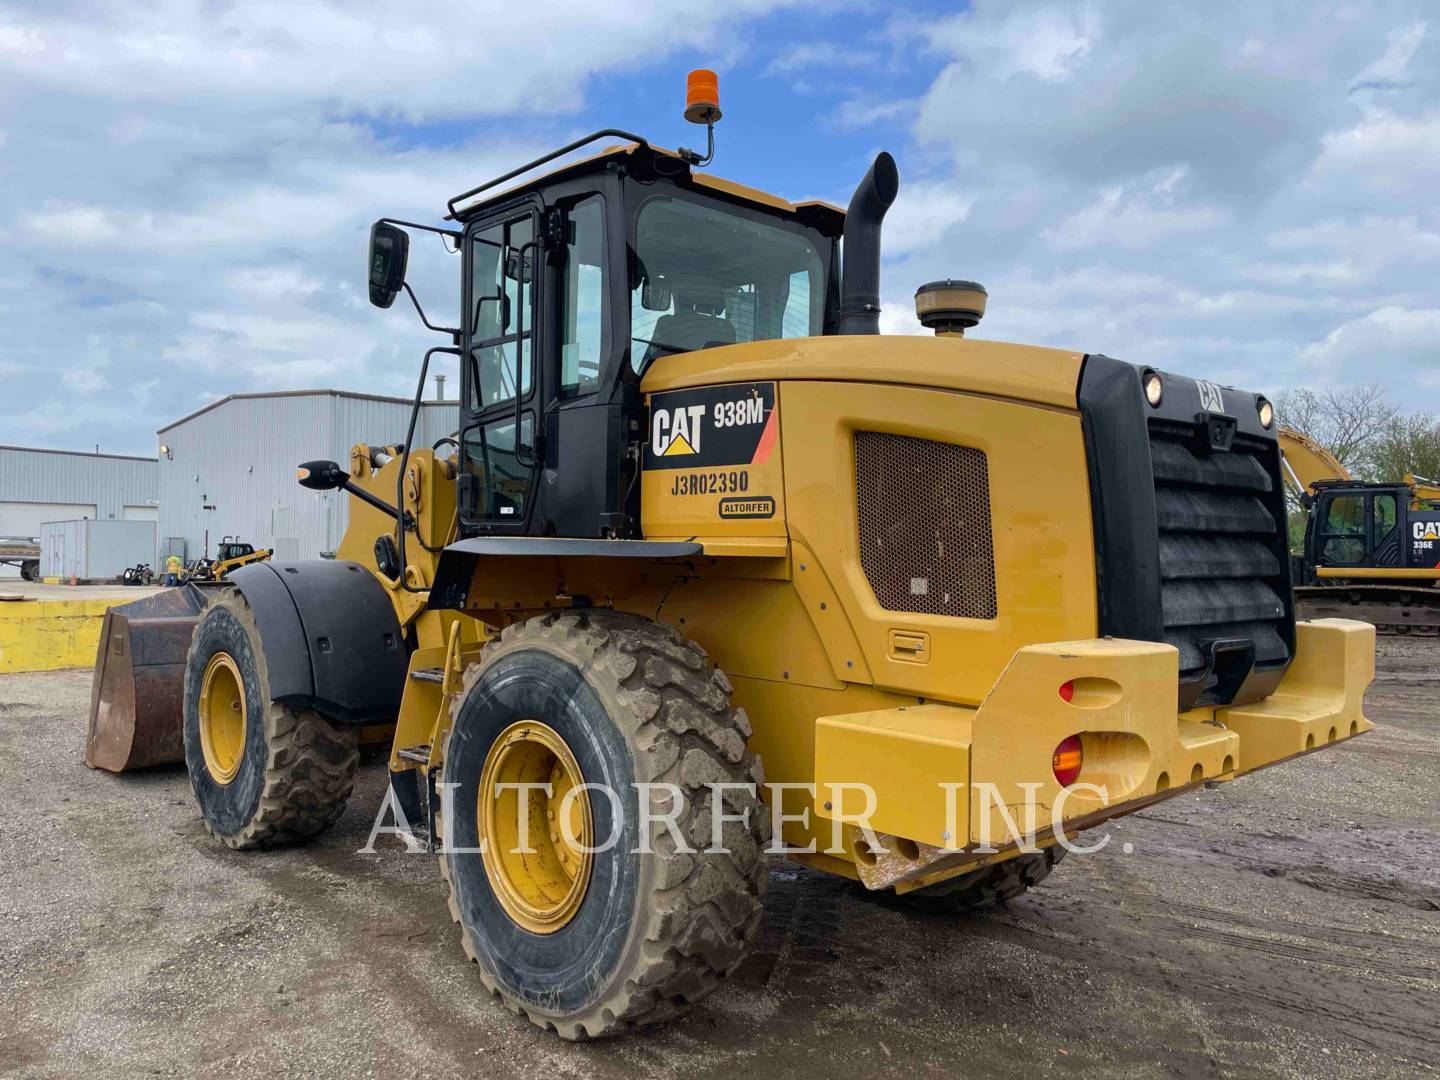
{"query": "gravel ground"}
pixel 1287 924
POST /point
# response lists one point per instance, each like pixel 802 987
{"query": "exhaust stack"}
pixel 860 274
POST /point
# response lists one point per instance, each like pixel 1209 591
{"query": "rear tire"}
pixel 623 700
pixel 264 774
pixel 990 886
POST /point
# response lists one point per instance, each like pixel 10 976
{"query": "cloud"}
pixel 1138 215
pixel 1391 70
pixel 1235 191
pixel 1393 334
pixel 193 184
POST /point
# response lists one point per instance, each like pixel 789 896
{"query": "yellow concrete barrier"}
pixel 48 635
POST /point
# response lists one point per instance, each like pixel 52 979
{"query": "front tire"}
pixel 264 774
pixel 643 930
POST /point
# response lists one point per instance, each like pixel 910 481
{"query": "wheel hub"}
pixel 222 718
pixel 535 839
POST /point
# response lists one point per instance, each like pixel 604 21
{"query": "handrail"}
pixel 603 133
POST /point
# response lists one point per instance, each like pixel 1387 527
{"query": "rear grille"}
pixel 1220 545
pixel 925 539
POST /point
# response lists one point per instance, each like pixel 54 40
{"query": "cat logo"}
pixel 674 432
pixel 1210 399
pixel 1426 530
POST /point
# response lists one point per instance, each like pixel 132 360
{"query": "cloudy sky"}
pixel 1234 189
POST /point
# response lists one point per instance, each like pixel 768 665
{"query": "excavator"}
pixel 1371 550
pixel 714 571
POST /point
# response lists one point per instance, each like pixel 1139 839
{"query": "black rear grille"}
pixel 1190 529
pixel 1221 534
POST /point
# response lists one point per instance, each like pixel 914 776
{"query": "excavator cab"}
pixel 1356 526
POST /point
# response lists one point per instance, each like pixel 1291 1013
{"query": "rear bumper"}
pixel 966 785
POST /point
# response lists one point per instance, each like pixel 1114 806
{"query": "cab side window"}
pixel 1343 530
pixel 501 309
pixel 1384 516
pixel 582 299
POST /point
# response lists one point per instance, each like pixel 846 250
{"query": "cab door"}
pixel 500 379
pixel 1357 528
pixel 1341 530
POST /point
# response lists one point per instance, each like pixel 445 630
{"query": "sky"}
pixel 1247 192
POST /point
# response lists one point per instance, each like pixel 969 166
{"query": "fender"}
pixel 330 637
pixel 459 560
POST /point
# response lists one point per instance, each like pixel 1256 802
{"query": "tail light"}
pixel 1068 758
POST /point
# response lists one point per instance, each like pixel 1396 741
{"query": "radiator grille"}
pixel 1221 577
pixel 925 540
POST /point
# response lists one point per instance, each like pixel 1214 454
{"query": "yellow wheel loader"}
pixel 232 554
pixel 714 570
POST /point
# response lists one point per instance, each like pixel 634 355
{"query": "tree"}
pixel 1407 445
pixel 1346 420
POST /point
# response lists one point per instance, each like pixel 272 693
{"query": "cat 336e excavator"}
pixel 714 567
pixel 1371 550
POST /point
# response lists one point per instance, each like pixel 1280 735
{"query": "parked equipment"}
pixel 22 552
pixel 700 517
pixel 1372 550
pixel 230 556
pixel 139 574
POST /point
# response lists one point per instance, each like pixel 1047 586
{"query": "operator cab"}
pixel 574 283
pixel 577 282
pixel 1370 525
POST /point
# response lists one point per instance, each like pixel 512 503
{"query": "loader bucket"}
pixel 137 700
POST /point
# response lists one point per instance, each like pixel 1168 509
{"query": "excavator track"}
pixel 1393 609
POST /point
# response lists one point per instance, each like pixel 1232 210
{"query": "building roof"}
pixel 76 453
pixel 299 393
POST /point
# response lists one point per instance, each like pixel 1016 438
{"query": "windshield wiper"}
pixel 662 345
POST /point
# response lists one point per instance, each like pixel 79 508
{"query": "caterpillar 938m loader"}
pixel 1372 550
pixel 711 559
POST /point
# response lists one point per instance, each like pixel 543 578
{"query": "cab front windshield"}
pixel 706 277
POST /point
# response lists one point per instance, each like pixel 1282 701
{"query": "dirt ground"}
pixel 1286 924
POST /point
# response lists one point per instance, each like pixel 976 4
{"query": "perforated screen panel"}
pixel 925 539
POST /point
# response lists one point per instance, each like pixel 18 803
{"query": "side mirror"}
pixel 322 475
pixel 389 253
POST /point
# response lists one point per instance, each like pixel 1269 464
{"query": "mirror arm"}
pixel 452 331
pixel 454 234
pixel 364 496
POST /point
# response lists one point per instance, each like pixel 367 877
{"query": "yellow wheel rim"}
pixel 222 718
pixel 540 888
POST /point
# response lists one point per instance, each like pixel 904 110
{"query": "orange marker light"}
pixel 1066 762
pixel 1067 691
pixel 702 97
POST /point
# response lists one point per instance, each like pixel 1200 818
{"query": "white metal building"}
pixel 229 469
pixel 39 486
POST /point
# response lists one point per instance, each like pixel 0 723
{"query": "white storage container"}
pixel 91 550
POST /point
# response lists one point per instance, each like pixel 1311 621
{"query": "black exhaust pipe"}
pixel 860 274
